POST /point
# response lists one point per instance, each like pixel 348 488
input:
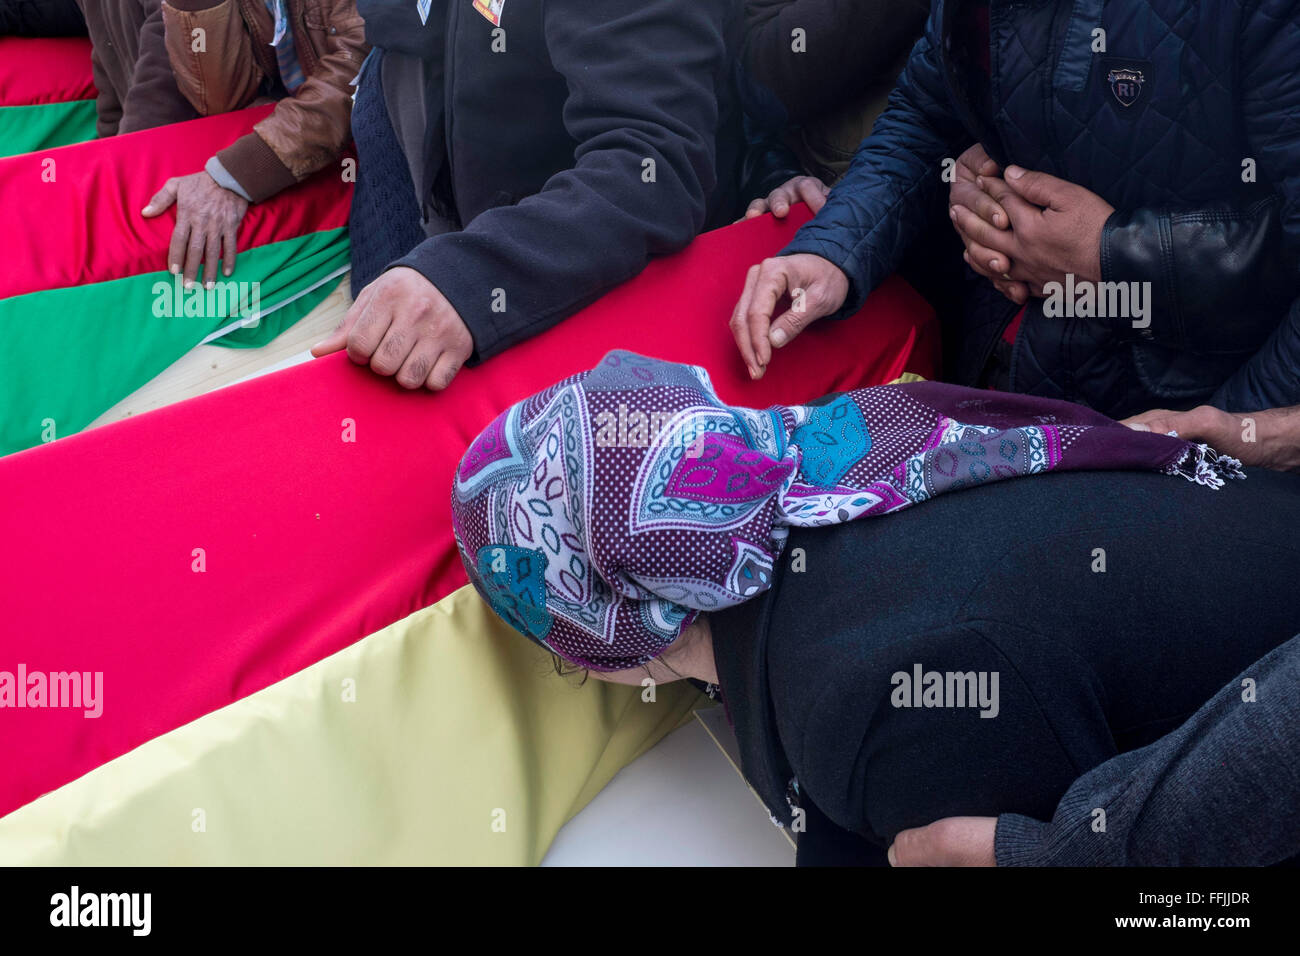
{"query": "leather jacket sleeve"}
pixel 309 128
pixel 1271 377
pixel 1217 271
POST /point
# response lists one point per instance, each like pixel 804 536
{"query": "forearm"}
pixel 1269 438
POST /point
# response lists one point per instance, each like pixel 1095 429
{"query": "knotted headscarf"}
pixel 600 516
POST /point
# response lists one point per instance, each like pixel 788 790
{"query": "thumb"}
pixel 1041 189
pixel 954 841
pixel 162 199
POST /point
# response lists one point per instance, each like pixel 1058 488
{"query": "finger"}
pixel 211 255
pixel 230 246
pixel 813 192
pixel 339 337
pixel 739 324
pixel 444 370
pixel 1017 292
pixel 976 159
pixel 756 208
pixel 1038 188
pixel 985 206
pixel 773 282
pixel 398 342
pixel 194 254
pixel 964 193
pixel 955 841
pixel 369 331
pixel 414 372
pixel 1158 420
pixel 986 261
pixel 780 198
pixel 162 199
pixel 786 326
pixel 975 229
pixel 176 248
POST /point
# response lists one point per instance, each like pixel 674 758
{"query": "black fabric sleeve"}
pixel 641 77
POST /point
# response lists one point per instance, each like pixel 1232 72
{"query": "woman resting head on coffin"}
pixel 899 634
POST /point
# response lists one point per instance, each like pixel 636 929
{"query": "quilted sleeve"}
pixel 1270 48
pixel 882 203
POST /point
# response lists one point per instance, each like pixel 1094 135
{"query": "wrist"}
pixel 1270 438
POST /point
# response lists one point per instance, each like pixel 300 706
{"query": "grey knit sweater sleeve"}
pixel 1221 790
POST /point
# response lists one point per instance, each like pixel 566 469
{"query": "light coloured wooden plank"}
pixel 209 367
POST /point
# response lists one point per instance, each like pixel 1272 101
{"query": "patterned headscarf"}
pixel 600 516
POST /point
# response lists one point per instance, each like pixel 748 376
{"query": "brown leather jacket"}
pixel 308 129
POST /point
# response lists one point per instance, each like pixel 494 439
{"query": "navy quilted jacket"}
pixel 1220 87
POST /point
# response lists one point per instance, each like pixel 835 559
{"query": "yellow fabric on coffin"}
pixel 462 746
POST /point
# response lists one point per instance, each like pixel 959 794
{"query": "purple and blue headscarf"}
pixel 600 516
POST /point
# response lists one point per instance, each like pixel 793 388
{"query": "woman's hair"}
pixel 568 669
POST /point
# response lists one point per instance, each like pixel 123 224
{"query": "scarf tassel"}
pixel 1205 466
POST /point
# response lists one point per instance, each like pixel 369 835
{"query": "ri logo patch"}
pixel 1128 80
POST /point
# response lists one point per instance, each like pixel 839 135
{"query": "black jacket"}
pixel 1001 578
pixel 1220 249
pixel 601 135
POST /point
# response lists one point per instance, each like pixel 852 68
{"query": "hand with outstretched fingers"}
pixel 207 225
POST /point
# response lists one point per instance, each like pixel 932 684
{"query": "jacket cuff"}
pixel 255 167
pixel 1135 248
pixel 191 6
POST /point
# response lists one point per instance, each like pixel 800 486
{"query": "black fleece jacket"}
pixel 580 140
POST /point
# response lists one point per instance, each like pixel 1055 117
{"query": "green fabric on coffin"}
pixel 72 353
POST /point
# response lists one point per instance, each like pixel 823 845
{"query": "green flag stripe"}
pixel 72 353
pixel 27 129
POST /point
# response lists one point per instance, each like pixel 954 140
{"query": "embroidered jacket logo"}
pixel 1126 85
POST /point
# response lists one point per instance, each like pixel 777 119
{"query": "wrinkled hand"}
pixel 953 841
pixel 1266 439
pixel 808 189
pixel 816 287
pixel 1055 229
pixel 207 220
pixel 972 167
pixel 402 325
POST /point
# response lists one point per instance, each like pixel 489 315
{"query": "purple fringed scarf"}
pixel 599 516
